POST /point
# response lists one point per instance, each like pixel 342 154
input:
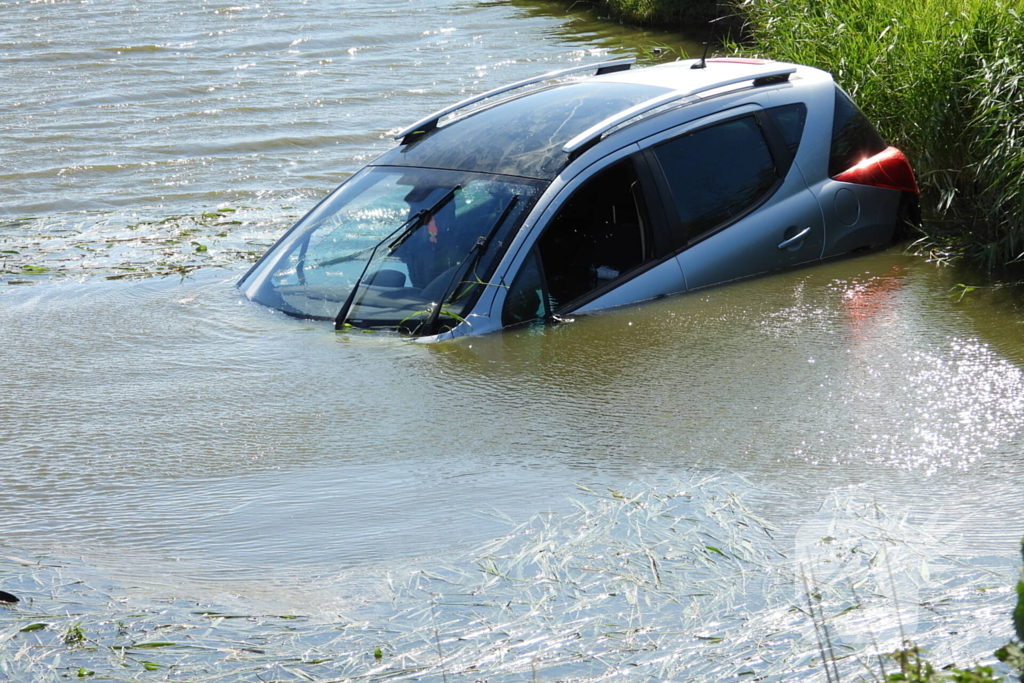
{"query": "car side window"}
pixel 790 120
pixel 716 173
pixel 599 235
pixel 527 298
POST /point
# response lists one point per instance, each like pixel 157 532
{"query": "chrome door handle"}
pixel 795 238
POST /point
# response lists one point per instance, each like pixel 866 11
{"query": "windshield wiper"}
pixel 472 257
pixel 406 229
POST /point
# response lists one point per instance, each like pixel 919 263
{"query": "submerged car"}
pixel 552 197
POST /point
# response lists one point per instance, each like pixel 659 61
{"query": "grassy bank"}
pixel 692 15
pixel 942 79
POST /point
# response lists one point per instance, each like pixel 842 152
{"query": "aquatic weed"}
pixel 118 246
pixel 679 582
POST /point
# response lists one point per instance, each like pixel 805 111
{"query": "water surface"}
pixel 161 438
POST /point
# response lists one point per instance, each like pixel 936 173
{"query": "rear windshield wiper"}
pixel 406 229
pixel 472 257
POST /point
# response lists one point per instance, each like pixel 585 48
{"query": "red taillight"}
pixel 889 168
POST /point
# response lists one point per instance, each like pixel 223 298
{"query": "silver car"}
pixel 561 195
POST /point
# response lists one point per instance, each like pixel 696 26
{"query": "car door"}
pixel 601 244
pixel 738 205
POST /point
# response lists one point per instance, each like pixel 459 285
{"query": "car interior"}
pixel 598 235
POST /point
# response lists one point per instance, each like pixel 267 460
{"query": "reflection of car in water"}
pixel 582 195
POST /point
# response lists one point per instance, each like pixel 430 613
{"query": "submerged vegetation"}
pixel 681 583
pixel 120 246
pixel 942 79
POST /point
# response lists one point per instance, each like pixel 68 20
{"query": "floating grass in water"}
pixel 119 246
pixel 682 583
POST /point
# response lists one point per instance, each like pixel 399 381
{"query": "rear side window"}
pixel 716 173
pixel 789 119
pixel 854 139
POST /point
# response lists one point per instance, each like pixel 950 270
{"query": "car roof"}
pixel 683 76
pixel 535 134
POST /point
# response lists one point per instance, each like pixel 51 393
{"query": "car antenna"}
pixel 703 64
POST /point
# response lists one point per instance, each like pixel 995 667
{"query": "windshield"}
pixel 420 243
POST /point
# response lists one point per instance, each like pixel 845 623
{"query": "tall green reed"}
pixel 942 80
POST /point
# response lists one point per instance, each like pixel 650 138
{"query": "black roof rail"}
pixel 429 123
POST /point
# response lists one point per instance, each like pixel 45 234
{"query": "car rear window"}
pixel 853 137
